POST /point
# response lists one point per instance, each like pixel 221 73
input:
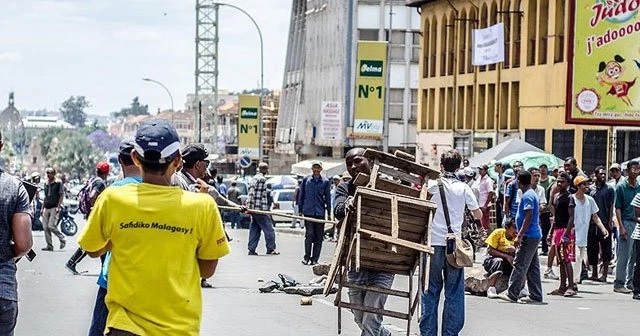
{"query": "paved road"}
pixel 54 302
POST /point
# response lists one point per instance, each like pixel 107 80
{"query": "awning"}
pixel 330 167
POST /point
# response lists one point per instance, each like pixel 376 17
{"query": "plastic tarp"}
pixel 502 150
pixel 530 159
pixel 330 167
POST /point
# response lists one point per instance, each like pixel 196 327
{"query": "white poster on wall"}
pixel 331 121
pixel 488 45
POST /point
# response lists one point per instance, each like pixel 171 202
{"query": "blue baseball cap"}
pixel 157 141
pixel 509 173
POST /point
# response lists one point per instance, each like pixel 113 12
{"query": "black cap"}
pixel 195 152
pixel 127 145
pixel 157 141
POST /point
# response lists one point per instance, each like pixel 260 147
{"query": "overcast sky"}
pixel 52 49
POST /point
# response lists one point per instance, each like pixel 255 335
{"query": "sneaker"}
pixel 273 252
pixel 622 290
pixel 205 284
pixel 48 248
pixel 504 296
pixel 63 243
pixel 492 293
pixel 253 253
pixel 313 263
pixel 548 274
pixel 524 293
pixel 72 268
pixel 636 296
pixel 306 262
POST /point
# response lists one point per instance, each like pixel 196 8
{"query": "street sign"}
pixel 245 162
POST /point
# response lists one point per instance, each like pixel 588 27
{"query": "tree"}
pixel 135 109
pixel 73 110
pixel 104 141
pixel 74 154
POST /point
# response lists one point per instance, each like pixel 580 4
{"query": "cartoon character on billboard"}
pixel 609 74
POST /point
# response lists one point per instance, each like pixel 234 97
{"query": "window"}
pixel 535 137
pixel 462 145
pixel 368 34
pixel 415 48
pixel 627 145
pixel 397 45
pixel 594 147
pixel 563 141
pixel 414 105
pixel 396 102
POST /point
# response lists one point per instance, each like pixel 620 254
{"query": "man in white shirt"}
pixel 485 195
pixel 441 274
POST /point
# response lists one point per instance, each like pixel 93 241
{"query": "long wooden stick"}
pixel 271 213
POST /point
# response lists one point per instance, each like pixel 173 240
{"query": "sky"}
pixel 52 49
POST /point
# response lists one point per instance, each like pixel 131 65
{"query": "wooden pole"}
pixel 270 213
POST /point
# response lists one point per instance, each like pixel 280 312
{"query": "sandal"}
pixel 558 292
pixel 570 292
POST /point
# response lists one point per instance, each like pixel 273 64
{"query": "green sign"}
pixel 249 113
pixel 370 68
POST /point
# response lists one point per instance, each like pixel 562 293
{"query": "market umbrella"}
pixel 530 159
pixel 502 150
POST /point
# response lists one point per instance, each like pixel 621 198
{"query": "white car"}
pixel 282 203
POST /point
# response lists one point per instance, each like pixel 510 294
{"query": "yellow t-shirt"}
pixel 498 240
pixel 157 234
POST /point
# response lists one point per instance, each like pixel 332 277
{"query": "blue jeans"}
pixel 442 274
pixel 626 258
pixel 8 317
pixel 261 223
pixel 100 313
pixel 235 219
pixel 526 266
pixel 370 324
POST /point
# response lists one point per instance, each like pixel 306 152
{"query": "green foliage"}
pixel 135 109
pixel 73 153
pixel 73 110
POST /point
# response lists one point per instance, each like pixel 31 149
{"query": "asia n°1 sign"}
pixel 370 89
pixel 604 63
pixel 249 126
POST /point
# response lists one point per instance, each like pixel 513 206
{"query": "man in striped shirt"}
pixel 635 236
pixel 258 200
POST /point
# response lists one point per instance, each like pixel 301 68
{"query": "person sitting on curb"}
pixel 500 256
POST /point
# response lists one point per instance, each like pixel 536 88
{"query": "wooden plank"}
pixel 357 232
pixel 403 235
pixel 395 188
pixel 385 267
pixel 407 222
pixel 361 180
pixel 404 155
pixel 406 165
pixel 373 179
pixel 375 254
pixel 394 222
pixel 396 241
pixel 369 193
pixel 337 256
pixel 377 311
pixel 399 174
pixel 378 290
pixel 420 212
pixel 374 245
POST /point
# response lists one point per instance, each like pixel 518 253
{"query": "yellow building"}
pixel 472 108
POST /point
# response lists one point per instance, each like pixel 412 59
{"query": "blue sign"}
pixel 245 162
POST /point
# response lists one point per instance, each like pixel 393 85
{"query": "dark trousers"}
pixel 259 224
pixel 597 246
pixel 545 225
pixel 314 234
pixel 100 313
pixel 636 270
pixel 8 317
pixel 498 206
pixel 526 266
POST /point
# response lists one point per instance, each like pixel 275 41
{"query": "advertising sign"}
pixel 488 45
pixel 249 126
pixel 331 121
pixel 604 63
pixel 370 89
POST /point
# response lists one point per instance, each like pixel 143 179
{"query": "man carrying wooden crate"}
pixel 370 324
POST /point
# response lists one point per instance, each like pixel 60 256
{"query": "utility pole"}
pixel 206 72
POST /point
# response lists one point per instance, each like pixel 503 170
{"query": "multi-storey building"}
pixel 321 67
pixel 473 108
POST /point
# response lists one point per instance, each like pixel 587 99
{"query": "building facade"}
pixel 473 108
pixel 321 67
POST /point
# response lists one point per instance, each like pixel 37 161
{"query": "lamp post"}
pixel 164 87
pixel 261 67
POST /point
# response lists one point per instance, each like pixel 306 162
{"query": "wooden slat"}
pixel 406 165
pixel 385 267
pixel 407 223
pixel 377 311
pixel 357 232
pixel 373 178
pixel 377 194
pixel 421 212
pixel 378 290
pixel 406 235
pixel 404 155
pixel 373 245
pixel 399 174
pixel 401 242
pixel 337 256
pixel 386 255
pixel 361 180
pixel 394 222
pixel 395 188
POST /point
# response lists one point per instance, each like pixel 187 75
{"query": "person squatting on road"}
pixel 314 201
pixel 369 323
pixel 15 242
pixel 96 187
pixel 152 229
pixel 131 175
pixel 441 274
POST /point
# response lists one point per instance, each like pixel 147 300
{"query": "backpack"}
pixel 84 198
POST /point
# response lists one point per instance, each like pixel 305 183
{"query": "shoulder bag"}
pixel 459 253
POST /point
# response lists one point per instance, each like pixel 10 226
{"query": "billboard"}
pixel 604 63
pixel 331 120
pixel 370 89
pixel 249 126
pixel 488 45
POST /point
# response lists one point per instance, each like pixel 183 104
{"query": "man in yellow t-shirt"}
pixel 162 241
pixel 500 251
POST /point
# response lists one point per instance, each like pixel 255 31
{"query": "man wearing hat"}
pixel 615 173
pixel 154 228
pixel 96 186
pixel 259 200
pixel 314 200
pixel 195 163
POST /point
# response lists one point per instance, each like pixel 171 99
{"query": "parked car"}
pixel 245 219
pixel 282 203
